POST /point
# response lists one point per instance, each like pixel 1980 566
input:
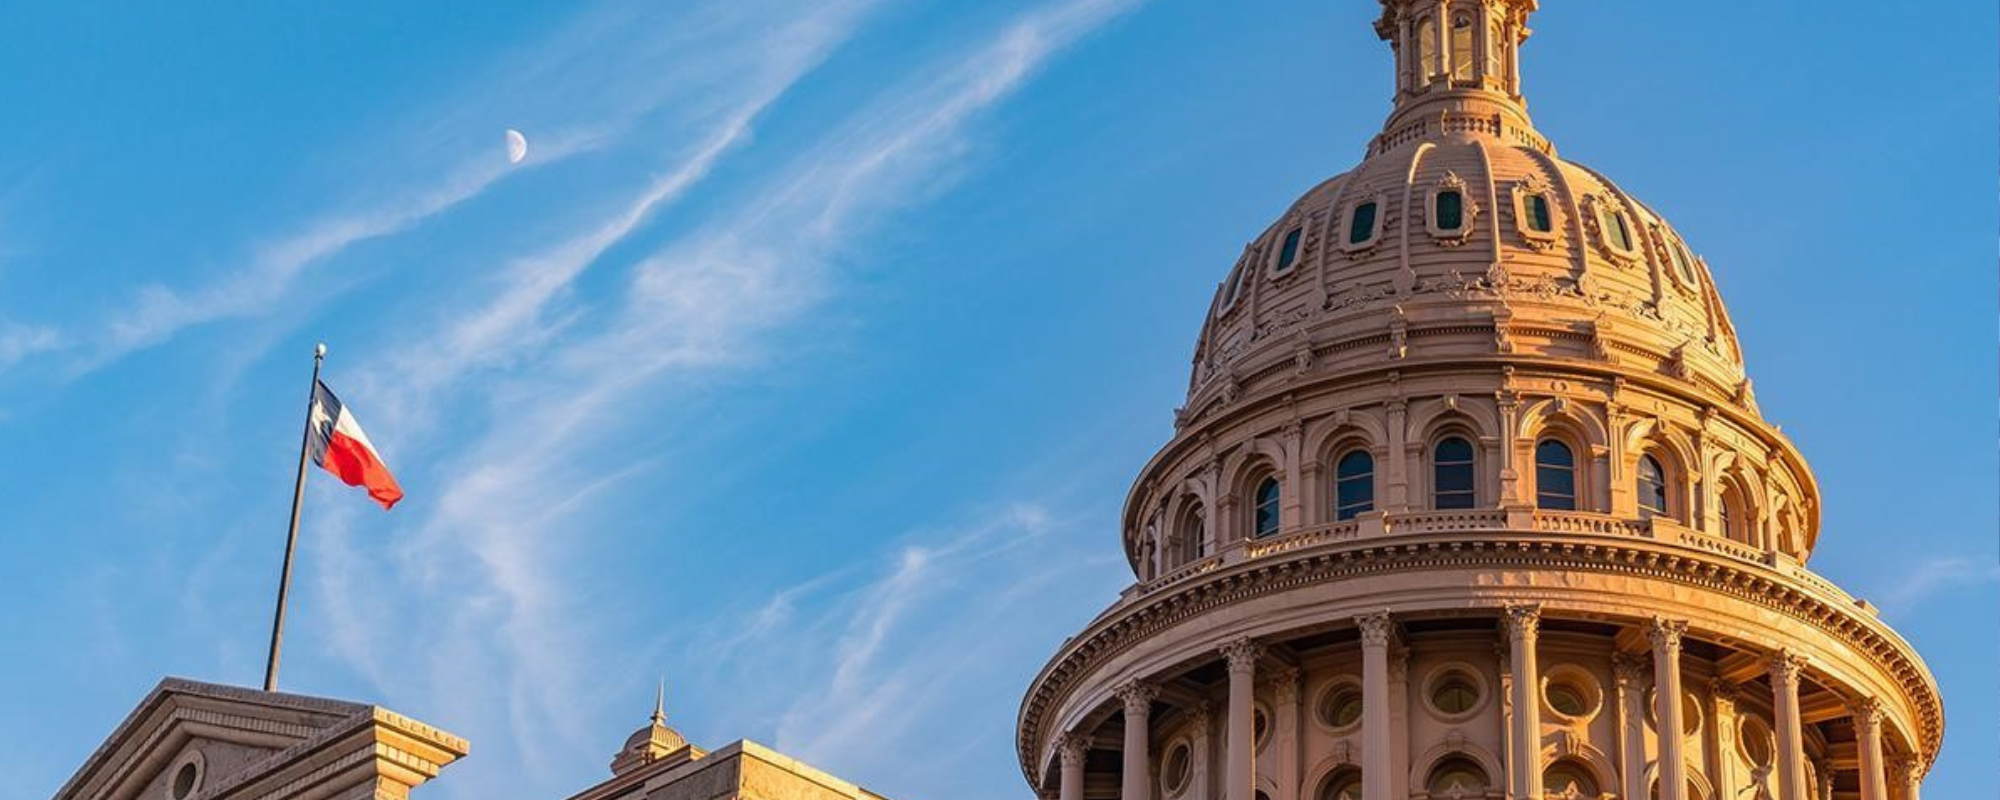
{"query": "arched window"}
pixel 1343 784
pixel 1264 519
pixel 1618 231
pixel 1361 223
pixel 1462 59
pixel 1567 778
pixel 1652 488
pixel 1353 484
pixel 1452 474
pixel 1449 211
pixel 1732 516
pixel 1427 52
pixel 1193 532
pixel 1555 476
pixel 1496 53
pixel 1683 263
pixel 1457 775
pixel 1288 252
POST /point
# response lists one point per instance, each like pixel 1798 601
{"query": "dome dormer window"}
pixel 1451 215
pixel 1450 205
pixel 1613 226
pixel 1361 223
pixel 1288 251
pixel 1534 215
pixel 1683 263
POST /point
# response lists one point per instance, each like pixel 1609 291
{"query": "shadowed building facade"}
pixel 1471 498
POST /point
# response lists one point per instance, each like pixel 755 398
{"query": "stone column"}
pixel 1665 636
pixel 1823 769
pixel 1904 774
pixel 1524 742
pixel 1868 736
pixel 1072 750
pixel 1722 730
pixel 1375 743
pixel 1285 737
pixel 1785 669
pixel 1138 700
pixel 1631 676
pixel 1239 772
pixel 1394 467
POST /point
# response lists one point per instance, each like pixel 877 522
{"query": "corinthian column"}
pixel 1868 732
pixel 1240 773
pixel 1524 742
pixel 1375 721
pixel 1138 700
pixel 1072 750
pixel 1785 669
pixel 1904 774
pixel 1666 638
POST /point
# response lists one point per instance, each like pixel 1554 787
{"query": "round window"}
pixel 1455 693
pixel 1758 742
pixel 1340 706
pixel 184 781
pixel 1572 693
pixel 1690 712
pixel 1176 768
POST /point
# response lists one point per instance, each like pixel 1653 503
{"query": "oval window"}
pixel 1340 707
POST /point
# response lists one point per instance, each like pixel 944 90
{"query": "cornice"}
pixel 1804 598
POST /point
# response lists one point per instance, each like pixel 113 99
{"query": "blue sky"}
pixel 809 354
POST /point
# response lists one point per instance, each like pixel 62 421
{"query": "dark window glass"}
pixel 1354 485
pixel 1621 235
pixel 1684 262
pixel 1458 777
pixel 1563 775
pixel 1450 211
pixel 1363 225
pixel 1539 220
pixel 1652 488
pixel 1344 785
pixel 1268 497
pixel 1452 474
pixel 1288 254
pixel 1455 694
pixel 1194 533
pixel 1341 707
pixel 1555 476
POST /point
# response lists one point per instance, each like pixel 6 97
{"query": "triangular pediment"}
pixel 189 740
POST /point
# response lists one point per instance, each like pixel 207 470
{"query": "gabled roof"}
pixel 300 745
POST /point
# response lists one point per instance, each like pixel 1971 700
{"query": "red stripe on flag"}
pixel 355 465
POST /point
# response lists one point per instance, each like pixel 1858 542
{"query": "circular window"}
pixel 1340 706
pixel 1177 767
pixel 1755 738
pixel 1690 711
pixel 1572 693
pixel 1455 692
pixel 1260 727
pixel 187 773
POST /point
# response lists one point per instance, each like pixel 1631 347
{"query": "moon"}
pixel 517 146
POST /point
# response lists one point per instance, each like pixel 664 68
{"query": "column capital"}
pixel 1666 634
pixel 1137 696
pixel 1201 718
pixel 1524 621
pixel 1242 655
pixel 1723 691
pixel 1072 748
pixel 1375 628
pixel 1903 768
pixel 1284 682
pixel 1867 713
pixel 1785 667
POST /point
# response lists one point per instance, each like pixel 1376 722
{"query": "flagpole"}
pixel 292 538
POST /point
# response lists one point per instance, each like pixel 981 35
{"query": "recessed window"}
pixel 1457 776
pixel 185 776
pixel 1555 476
pixel 1452 474
pixel 1496 51
pixel 1427 52
pixel 1231 286
pixel 1194 532
pixel 1732 516
pixel 1568 778
pixel 1617 231
pixel 1683 262
pixel 1652 486
pixel 1269 497
pixel 1343 784
pixel 1461 47
pixel 1340 706
pixel 1176 768
pixel 1537 208
pixel 1288 252
pixel 1572 692
pixel 1353 485
pixel 184 780
pixel 1361 223
pixel 1454 693
pixel 1450 208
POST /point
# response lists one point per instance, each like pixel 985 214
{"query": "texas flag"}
pixel 339 446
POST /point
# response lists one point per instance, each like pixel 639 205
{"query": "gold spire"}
pixel 660 703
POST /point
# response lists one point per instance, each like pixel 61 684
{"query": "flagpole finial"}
pixel 319 350
pixel 660 703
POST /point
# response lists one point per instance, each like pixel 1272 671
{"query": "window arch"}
pixel 1267 503
pixel 1462 60
pixel 1457 775
pixel 1343 784
pixel 1732 513
pixel 1353 484
pixel 1569 778
pixel 1496 52
pixel 1427 52
pixel 1453 473
pixel 1555 475
pixel 1650 483
pixel 1193 532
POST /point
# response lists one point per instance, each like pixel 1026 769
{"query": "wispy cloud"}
pixel 1936 576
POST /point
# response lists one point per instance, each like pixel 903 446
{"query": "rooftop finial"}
pixel 660 703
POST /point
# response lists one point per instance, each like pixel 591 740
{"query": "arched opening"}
pixel 1732 513
pixel 1568 778
pixel 1192 532
pixel 1267 503
pixel 1496 53
pixel 1555 475
pixel 1650 483
pixel 1353 484
pixel 1452 473
pixel 1457 776
pixel 1343 784
pixel 1427 52
pixel 1462 59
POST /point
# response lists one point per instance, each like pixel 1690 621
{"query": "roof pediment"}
pixel 189 740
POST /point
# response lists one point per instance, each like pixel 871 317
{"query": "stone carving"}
pixel 1666 634
pixel 1375 628
pixel 1137 696
pixel 1524 621
pixel 1242 655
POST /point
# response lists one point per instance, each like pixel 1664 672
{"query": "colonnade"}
pixel 1524 761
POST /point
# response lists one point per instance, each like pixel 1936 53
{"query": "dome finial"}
pixel 660 702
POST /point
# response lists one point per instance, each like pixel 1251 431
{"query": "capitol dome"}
pixel 1470 496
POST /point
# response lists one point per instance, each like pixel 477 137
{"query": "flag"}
pixel 338 446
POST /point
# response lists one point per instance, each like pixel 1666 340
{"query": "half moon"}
pixel 517 146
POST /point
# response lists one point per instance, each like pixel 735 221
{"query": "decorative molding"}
pixel 1375 628
pixel 1524 621
pixel 1242 655
pixel 1665 634
pixel 1137 697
